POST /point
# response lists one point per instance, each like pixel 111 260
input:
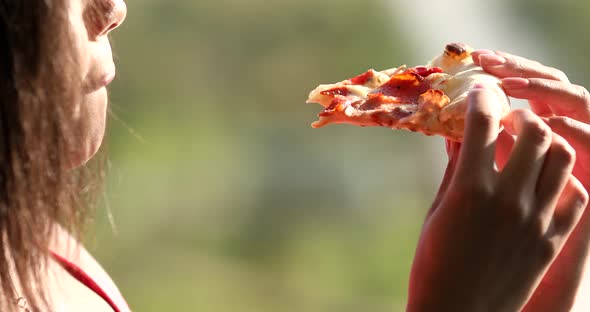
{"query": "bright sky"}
pixel 481 24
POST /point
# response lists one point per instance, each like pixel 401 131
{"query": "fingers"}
pixel 518 87
pixel 504 65
pixel 475 55
pixel 575 132
pixel 570 208
pixel 448 147
pixel 547 89
pixel 561 98
pixel 453 149
pixel 556 172
pixel 578 135
pixel 481 130
pixel 522 170
pixel 504 146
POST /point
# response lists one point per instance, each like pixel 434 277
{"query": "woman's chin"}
pixel 81 155
pixel 91 134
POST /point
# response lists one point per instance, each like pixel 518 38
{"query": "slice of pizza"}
pixel 429 99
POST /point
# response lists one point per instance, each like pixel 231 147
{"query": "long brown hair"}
pixel 39 89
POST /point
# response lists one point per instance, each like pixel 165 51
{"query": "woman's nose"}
pixel 115 16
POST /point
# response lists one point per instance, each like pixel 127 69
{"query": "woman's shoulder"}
pixel 72 258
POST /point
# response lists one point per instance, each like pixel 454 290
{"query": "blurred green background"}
pixel 225 199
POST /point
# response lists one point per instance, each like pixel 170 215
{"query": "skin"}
pixel 97 71
pixel 469 256
pixel 565 108
pixel 91 29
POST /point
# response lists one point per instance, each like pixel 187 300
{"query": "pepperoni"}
pixel 363 78
pixel 402 88
pixel 425 71
pixel 374 101
pixel 334 106
pixel 407 87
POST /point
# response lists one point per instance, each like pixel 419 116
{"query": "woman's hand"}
pixel 490 236
pixel 565 106
pixel 566 109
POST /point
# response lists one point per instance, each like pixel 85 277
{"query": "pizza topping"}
pixel 455 49
pixel 336 91
pixel 362 78
pixel 402 88
pixel 375 101
pixel 406 87
pixel 425 71
pixel 398 97
pixel 335 102
pixel 429 99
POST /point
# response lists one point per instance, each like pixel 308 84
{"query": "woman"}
pixel 55 63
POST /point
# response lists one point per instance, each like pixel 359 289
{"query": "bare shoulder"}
pixel 70 291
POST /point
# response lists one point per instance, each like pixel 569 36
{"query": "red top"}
pixel 79 274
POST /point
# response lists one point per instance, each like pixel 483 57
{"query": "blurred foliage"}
pixel 225 199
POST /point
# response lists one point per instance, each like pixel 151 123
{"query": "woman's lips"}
pixel 107 78
pixel 102 81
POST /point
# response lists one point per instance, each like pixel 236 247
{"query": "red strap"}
pixel 83 278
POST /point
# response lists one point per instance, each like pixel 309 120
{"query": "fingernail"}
pixel 515 83
pixel 508 126
pixel 482 51
pixel 491 60
pixel 475 54
pixel 508 123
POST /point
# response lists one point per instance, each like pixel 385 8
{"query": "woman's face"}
pixel 92 22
